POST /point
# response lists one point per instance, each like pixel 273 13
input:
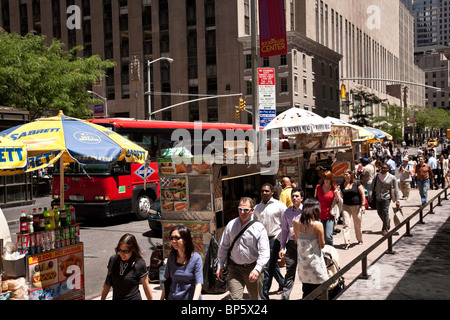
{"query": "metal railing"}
pixel 322 290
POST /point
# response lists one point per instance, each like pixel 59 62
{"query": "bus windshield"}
pixel 94 169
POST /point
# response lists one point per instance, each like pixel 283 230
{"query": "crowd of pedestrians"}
pixel 287 227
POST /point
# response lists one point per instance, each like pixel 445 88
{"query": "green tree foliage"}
pixel 391 122
pixel 44 79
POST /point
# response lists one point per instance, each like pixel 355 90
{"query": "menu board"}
pixel 56 274
pixel 186 166
pixel 199 233
pixel 339 136
pixel 173 194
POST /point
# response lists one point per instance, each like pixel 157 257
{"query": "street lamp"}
pixel 103 98
pixel 149 84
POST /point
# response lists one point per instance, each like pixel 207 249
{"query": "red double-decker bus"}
pixel 98 191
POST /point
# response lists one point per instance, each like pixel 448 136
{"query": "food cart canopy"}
pixel 297 121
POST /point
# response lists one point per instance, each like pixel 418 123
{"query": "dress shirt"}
pixel 432 163
pixel 287 222
pixel 251 246
pixel 270 214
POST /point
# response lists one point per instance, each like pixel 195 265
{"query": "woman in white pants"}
pixel 352 192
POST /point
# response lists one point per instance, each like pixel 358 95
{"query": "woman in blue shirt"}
pixel 184 267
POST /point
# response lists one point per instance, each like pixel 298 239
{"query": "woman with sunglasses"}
pixel 184 267
pixel 126 271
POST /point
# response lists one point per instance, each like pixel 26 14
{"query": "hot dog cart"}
pixel 204 196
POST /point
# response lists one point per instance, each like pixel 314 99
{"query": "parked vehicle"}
pixel 100 191
pixel 154 218
pixel 432 142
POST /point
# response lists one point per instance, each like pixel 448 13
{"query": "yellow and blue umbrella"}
pixel 71 140
pixel 379 134
pixel 13 156
pixel 366 135
pixel 75 140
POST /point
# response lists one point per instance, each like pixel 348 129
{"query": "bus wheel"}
pixel 143 207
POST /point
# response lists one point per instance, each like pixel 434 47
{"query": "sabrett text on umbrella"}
pixel 9 153
pixel 16 136
pixel 42 159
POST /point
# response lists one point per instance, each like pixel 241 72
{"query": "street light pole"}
pixel 105 99
pixel 255 97
pixel 149 83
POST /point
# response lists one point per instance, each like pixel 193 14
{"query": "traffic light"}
pixel 343 91
pixel 236 114
pixel 241 104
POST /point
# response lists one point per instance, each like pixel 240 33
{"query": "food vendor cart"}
pixel 204 196
pixel 331 150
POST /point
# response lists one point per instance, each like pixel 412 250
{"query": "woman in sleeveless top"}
pixel 308 231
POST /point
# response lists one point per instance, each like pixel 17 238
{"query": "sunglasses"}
pixel 174 238
pixel 244 209
pixel 126 251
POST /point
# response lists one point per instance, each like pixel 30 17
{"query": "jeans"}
pixel 328 228
pixel 383 213
pixel 269 270
pixel 423 186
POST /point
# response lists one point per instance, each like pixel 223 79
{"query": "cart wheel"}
pixel 143 206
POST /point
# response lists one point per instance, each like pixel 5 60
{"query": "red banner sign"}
pixel 272 28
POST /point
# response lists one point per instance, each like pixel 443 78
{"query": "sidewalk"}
pixel 407 251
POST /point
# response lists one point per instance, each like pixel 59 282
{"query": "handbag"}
pixel 225 265
pixel 336 207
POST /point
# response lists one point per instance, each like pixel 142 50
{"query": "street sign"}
pixel 267 97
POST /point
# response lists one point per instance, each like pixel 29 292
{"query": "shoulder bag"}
pixel 225 266
pixel 336 207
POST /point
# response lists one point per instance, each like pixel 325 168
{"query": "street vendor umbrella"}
pixel 366 135
pixel 379 134
pixel 297 121
pixel 72 140
pixel 13 156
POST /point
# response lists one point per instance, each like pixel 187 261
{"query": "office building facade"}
pixel 209 42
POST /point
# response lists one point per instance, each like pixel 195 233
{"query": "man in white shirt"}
pixel 269 212
pixel 248 256
pixel 432 162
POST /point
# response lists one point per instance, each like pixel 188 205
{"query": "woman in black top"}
pixel 126 270
pixel 352 192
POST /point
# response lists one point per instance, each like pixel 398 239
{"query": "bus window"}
pixel 146 141
pixel 74 168
pixel 121 168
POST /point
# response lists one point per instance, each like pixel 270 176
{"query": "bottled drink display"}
pixel 23 222
pixel 43 230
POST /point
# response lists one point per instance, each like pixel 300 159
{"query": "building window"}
pixel 284 84
pixel 248 61
pixel 283 60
